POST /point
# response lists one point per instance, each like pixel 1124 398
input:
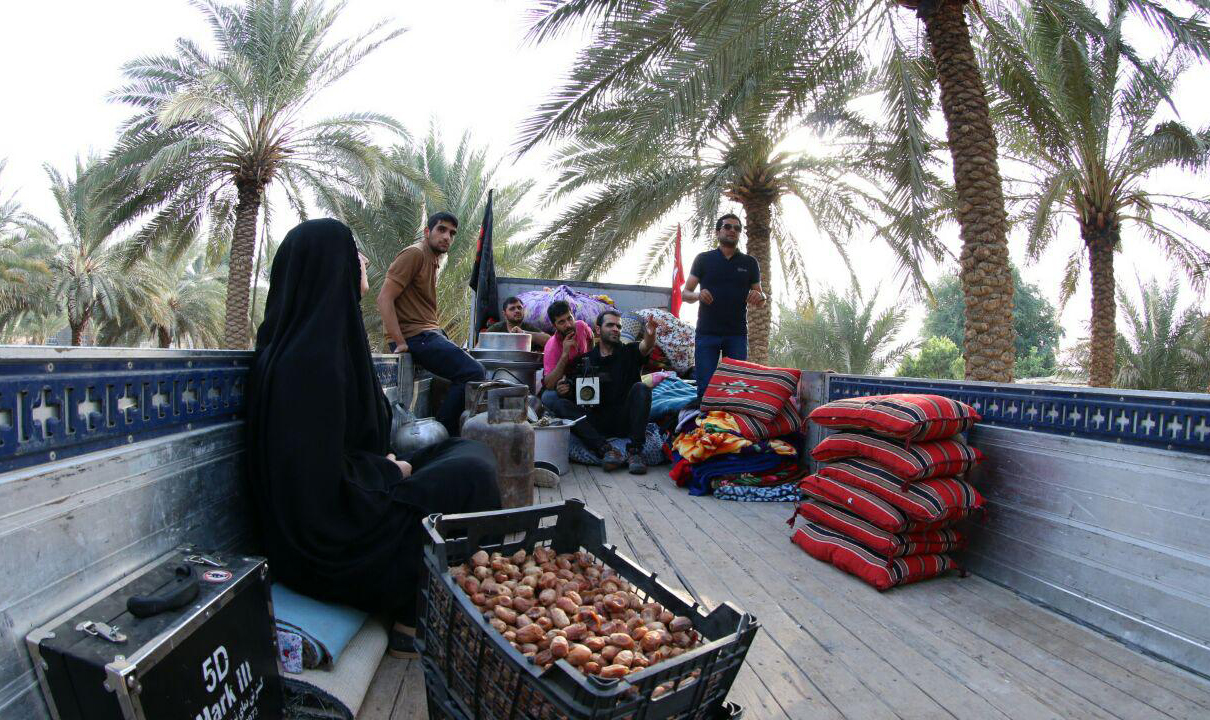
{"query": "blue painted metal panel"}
pixel 387 368
pixel 62 404
pixel 67 406
pixel 1173 421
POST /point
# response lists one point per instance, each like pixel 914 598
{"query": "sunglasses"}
pixel 729 226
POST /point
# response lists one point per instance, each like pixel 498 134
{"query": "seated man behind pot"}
pixel 514 322
pixel 625 401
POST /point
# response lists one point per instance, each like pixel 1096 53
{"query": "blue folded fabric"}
pixel 788 492
pixel 325 628
pixel 670 396
pixel 753 462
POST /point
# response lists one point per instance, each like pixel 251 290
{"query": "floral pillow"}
pixel 675 337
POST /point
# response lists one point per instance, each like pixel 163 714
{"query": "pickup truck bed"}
pixel 832 647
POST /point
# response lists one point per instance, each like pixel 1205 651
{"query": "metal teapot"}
pixel 410 433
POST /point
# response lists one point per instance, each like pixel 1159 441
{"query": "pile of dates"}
pixel 572 607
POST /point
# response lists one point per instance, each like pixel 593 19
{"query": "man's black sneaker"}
pixel 612 459
pixel 637 466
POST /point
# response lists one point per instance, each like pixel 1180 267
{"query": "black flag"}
pixel 483 277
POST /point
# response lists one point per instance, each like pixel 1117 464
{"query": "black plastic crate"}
pixel 441 707
pixel 486 678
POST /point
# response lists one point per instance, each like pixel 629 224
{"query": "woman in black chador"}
pixel 340 518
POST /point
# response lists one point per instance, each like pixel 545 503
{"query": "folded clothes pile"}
pixel 885 507
pixel 737 446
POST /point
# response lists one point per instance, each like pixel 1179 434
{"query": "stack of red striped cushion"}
pixel 885 507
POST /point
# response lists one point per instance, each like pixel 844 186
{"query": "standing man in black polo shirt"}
pixel 730 282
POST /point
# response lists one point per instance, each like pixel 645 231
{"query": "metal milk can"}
pixel 505 429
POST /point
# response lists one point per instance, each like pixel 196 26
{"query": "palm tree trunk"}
pixel 987 282
pixel 78 329
pixel 758 214
pixel 164 337
pixel 1102 360
pixel 239 269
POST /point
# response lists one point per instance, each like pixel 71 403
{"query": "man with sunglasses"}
pixel 730 282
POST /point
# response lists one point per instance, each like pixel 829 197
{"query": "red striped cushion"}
pixel 856 559
pixel 905 416
pixel 866 505
pixel 920 461
pixel 928 501
pixel 787 421
pixel 887 544
pixel 750 389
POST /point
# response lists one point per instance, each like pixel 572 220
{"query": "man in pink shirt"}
pixel 572 338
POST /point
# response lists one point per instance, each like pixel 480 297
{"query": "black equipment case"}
pixel 189 636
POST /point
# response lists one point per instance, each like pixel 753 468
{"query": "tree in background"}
pixel 840 333
pixel 214 131
pixel 1165 346
pixel 938 357
pixel 698 125
pixel 186 308
pixel 1080 110
pixel 736 50
pixel 25 254
pixel 1035 322
pixel 421 181
pixel 87 278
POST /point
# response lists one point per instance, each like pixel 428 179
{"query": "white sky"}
pixel 463 63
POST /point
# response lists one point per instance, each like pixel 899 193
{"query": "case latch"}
pixel 101 630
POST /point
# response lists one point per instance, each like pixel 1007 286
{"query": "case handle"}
pixel 178 593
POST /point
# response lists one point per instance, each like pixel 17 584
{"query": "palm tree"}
pixel 631 164
pixel 424 180
pixel 24 268
pixel 1164 347
pixel 87 277
pixel 716 53
pixel 187 308
pixel 213 131
pixel 841 333
pixel 1086 130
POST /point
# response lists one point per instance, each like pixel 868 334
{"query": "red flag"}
pixel 678 277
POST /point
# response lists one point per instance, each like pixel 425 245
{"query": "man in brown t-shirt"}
pixel 408 305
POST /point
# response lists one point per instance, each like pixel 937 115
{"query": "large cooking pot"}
pixel 552 445
pixel 504 341
pixel 519 367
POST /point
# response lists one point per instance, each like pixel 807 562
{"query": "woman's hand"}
pixel 405 468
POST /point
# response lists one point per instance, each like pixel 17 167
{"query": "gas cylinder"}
pixel 475 398
pixel 505 429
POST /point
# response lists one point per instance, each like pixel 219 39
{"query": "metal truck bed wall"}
pixel 1099 503
pixel 108 458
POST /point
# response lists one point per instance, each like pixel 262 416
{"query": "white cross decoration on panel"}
pixel 1174 428
pixel 1202 430
pixel 87 407
pixel 45 410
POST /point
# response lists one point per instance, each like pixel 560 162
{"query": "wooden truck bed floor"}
pixel 832 647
